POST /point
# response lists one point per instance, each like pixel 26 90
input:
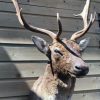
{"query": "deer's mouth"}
pixel 81 73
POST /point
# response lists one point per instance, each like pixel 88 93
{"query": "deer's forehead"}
pixel 73 45
pixel 59 46
pixel 68 42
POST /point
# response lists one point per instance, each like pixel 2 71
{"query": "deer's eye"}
pixel 59 52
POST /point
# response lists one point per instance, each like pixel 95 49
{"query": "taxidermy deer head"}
pixel 64 55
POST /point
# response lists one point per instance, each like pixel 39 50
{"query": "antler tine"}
pixel 83 32
pixel 59 26
pixel 30 27
pixel 87 25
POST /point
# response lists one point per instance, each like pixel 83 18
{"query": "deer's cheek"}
pixel 57 58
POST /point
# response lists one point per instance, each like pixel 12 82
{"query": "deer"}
pixel 65 62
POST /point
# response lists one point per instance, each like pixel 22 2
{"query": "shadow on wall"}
pixel 11 82
pixel 33 96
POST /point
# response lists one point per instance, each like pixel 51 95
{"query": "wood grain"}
pixel 86 96
pixel 72 4
pixel 15 98
pixel 21 63
pixel 46 11
pixel 80 96
pixel 28 70
pixel 47 22
pixel 22 87
pixel 20 53
pixel 22 36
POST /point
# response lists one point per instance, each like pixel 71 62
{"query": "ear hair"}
pixel 41 44
pixel 84 43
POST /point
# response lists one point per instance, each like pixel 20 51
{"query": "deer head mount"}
pixel 64 55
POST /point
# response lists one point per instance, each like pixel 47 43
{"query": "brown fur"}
pixel 66 63
pixel 47 87
pixel 59 86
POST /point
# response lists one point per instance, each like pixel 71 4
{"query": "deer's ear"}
pixel 84 43
pixel 40 44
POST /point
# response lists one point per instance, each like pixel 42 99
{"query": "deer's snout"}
pixel 81 70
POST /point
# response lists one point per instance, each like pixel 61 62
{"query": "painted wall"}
pixel 21 63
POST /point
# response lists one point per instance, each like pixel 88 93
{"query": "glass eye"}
pixel 57 51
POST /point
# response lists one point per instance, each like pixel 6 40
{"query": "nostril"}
pixel 77 67
pixel 81 70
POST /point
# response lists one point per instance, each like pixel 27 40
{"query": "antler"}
pixel 84 15
pixel 35 29
pixel 59 26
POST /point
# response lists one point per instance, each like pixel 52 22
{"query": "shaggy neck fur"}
pixel 53 87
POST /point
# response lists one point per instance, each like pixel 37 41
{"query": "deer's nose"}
pixel 78 67
pixel 82 70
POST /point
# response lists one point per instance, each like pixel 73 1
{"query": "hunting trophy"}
pixel 65 60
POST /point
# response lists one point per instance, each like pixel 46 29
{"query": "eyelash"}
pixel 57 51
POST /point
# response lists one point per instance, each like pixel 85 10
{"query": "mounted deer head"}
pixel 65 55
pixel 65 62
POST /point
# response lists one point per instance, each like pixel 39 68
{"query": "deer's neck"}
pixel 64 84
pixel 51 87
